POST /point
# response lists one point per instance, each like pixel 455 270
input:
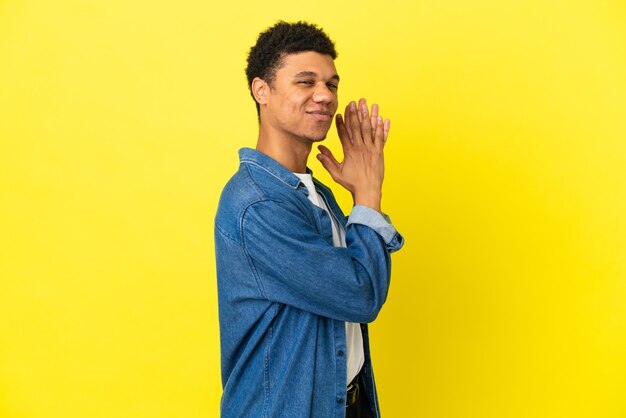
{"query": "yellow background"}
pixel 506 172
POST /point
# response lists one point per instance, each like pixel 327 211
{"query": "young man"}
pixel 297 280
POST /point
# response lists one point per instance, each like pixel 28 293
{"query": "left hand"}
pixel 363 137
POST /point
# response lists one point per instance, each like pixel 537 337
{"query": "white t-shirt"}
pixel 355 356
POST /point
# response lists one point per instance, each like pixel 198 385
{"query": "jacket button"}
pixel 340 353
pixel 340 401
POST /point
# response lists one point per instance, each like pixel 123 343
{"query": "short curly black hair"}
pixel 272 45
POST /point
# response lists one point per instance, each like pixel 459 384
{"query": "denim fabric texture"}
pixel 285 292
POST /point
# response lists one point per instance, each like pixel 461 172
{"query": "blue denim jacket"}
pixel 285 292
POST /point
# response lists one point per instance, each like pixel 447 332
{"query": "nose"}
pixel 323 94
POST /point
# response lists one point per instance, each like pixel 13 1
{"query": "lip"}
pixel 321 115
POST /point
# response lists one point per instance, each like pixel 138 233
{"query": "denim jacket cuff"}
pixel 379 222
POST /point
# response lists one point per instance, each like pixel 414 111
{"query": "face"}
pixel 302 99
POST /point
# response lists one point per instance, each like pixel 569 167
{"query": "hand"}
pixel 363 137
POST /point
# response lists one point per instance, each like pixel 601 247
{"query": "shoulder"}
pixel 252 190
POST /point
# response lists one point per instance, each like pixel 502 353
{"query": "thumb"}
pixel 329 162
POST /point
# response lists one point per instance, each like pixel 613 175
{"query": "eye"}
pixel 307 82
pixel 332 86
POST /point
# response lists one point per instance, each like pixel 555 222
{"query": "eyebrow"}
pixel 314 74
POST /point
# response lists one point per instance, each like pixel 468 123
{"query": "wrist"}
pixel 371 200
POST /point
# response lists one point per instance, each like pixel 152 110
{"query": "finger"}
pixel 343 133
pixel 357 138
pixel 387 126
pixel 361 103
pixel 329 162
pixel 347 121
pixel 366 124
pixel 379 135
pixel 374 116
pixel 328 153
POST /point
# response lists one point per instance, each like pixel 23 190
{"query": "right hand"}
pixel 363 137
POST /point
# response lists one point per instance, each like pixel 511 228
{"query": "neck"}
pixel 291 152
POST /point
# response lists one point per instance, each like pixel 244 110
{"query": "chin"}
pixel 317 136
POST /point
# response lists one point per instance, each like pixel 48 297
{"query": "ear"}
pixel 260 90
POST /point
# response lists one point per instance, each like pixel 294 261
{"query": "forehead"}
pixel 321 64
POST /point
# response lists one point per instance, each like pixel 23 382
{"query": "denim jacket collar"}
pixel 273 167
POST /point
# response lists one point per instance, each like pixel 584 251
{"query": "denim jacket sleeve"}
pixel 296 266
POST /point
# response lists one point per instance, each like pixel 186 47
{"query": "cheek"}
pixel 290 100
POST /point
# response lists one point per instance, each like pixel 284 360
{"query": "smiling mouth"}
pixel 321 115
